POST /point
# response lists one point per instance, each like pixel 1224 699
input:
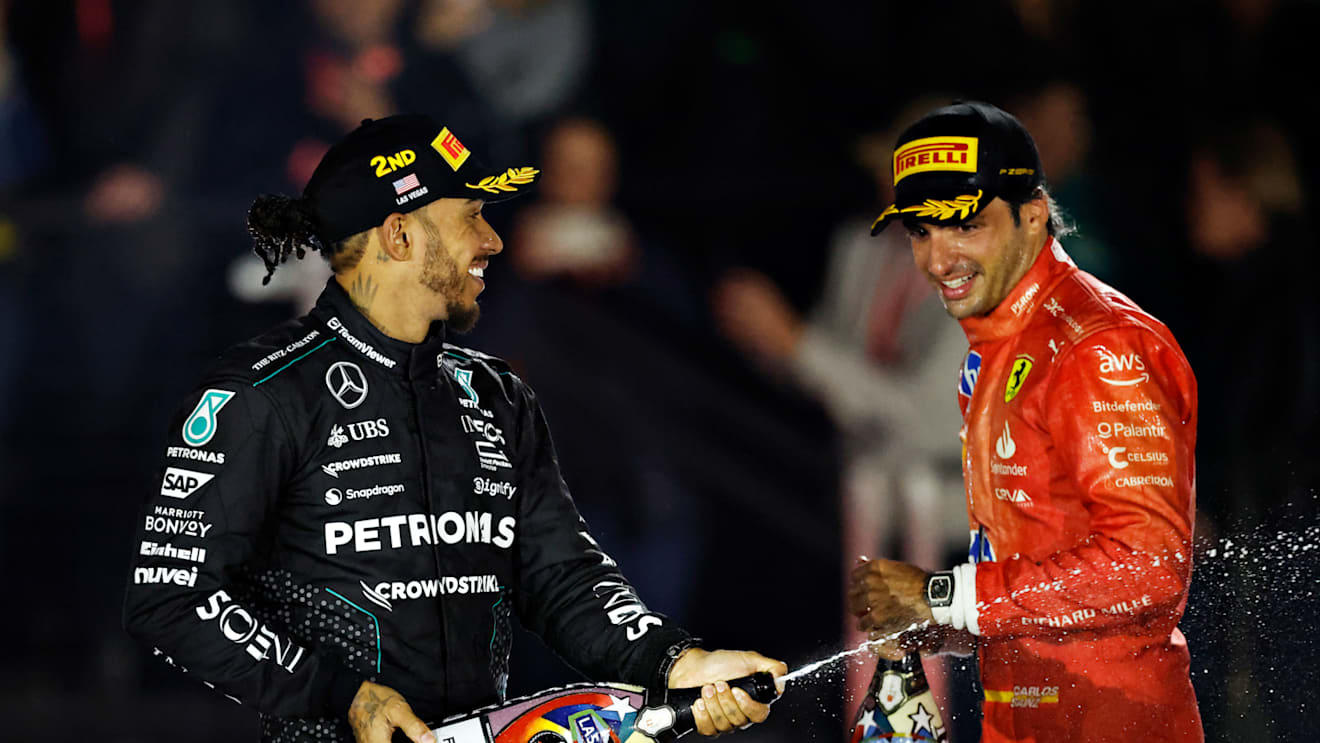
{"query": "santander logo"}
pixel 1005 446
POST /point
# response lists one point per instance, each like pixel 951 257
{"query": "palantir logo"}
pixel 971 369
pixel 347 383
pixel 201 425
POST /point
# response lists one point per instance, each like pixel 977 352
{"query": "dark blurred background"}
pixel 737 376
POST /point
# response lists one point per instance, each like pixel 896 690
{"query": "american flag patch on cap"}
pixel 406 184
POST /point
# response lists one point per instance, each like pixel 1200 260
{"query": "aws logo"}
pixel 385 165
pixel 1121 369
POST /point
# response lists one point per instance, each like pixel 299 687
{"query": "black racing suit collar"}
pixel 350 326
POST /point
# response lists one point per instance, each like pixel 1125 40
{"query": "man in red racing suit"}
pixel 1079 430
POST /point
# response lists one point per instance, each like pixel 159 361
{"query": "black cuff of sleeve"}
pixel 343 685
pixel 660 679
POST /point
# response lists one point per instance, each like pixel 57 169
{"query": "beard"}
pixel 441 275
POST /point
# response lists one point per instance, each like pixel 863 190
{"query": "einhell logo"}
pixel 935 153
pixel 450 149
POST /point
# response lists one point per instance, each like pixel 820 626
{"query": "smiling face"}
pixel 458 245
pixel 974 265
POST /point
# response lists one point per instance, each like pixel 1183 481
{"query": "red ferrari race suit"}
pixel 1079 430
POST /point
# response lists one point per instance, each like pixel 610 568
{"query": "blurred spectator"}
pixel 882 356
pixel 572 230
pixel 1253 337
pixel 527 58
pixel 1056 114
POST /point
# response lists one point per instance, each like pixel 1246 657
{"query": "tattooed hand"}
pixel 376 712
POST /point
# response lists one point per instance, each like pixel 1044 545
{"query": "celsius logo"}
pixel 347 383
pixel 333 497
pixel 971 369
pixel 180 483
pixel 1127 366
pixel 200 426
pixel 1005 446
pixel 1115 456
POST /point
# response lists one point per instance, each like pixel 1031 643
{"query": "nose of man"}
pixel 941 254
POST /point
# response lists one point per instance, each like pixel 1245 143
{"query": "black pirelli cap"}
pixel 398 164
pixel 955 160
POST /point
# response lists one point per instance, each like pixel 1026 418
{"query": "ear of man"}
pixel 395 243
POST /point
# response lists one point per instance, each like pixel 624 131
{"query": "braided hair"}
pixel 281 226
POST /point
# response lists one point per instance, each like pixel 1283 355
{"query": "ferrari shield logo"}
pixel 1017 377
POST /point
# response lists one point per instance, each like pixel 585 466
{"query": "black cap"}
pixel 955 160
pixel 398 164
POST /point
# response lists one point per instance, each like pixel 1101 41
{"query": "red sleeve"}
pixel 1121 414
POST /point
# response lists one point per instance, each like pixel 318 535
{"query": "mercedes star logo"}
pixel 347 384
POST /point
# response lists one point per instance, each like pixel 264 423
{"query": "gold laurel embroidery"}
pixel 893 209
pixel 509 180
pixel 945 208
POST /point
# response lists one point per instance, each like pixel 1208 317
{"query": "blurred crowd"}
pixel 747 390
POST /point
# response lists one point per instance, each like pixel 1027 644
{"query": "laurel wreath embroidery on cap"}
pixel 509 180
pixel 945 208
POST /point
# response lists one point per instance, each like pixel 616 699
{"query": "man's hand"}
pixel 755 315
pixel 722 708
pixel 377 710
pixel 887 598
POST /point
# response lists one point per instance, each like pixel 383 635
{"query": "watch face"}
pixel 939 590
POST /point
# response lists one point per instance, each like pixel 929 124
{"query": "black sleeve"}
pixel 228 453
pixel 569 591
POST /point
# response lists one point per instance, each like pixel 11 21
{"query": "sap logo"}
pixel 385 165
pixel 971 369
pixel 360 431
pixel 1124 369
pixel 239 627
pixel 180 483
pixel 1018 496
pixel 177 576
pixel 1005 447
pixel 625 609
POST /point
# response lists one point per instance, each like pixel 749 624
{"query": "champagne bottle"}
pixel 899 705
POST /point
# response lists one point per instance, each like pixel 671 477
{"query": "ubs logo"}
pixel 347 383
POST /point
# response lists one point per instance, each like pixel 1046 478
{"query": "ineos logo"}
pixel 347 383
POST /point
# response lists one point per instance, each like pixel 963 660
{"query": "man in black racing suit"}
pixel 351 507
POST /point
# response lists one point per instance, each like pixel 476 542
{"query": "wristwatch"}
pixel 939 590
